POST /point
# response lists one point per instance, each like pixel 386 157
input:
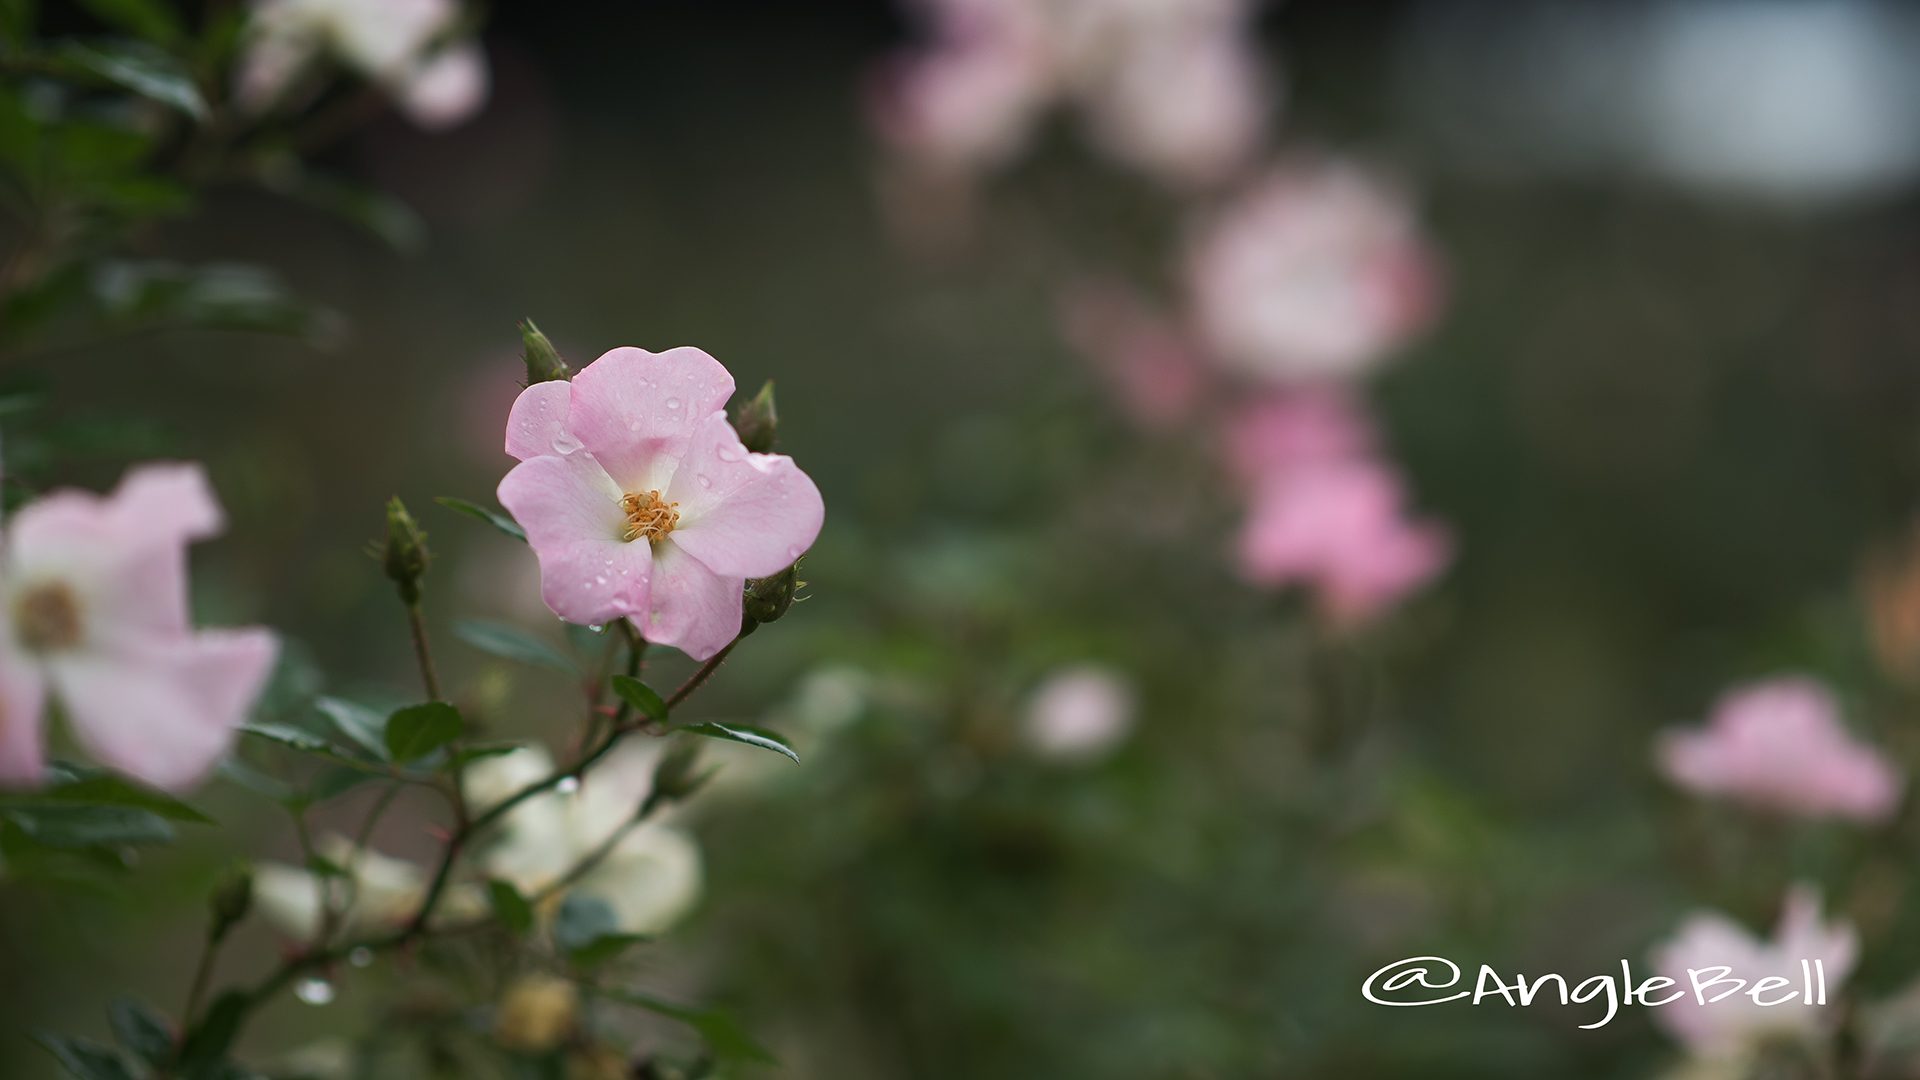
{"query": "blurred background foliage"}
pixel 1665 427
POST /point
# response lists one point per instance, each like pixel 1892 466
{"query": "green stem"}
pixel 424 654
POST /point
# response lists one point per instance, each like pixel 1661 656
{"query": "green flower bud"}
pixel 757 420
pixel 677 775
pixel 405 556
pixel 230 901
pixel 543 361
pixel 768 598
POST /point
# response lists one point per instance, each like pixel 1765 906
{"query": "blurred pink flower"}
pixel 1174 89
pixel 396 43
pixel 1079 713
pixel 1780 744
pixel 1280 433
pixel 95 613
pixel 1340 527
pixel 1153 369
pixel 637 448
pixel 1316 274
pixel 1732 1025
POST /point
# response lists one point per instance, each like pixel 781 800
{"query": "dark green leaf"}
pixel 492 517
pixel 308 743
pixel 602 949
pixel 258 782
pixel 419 730
pixel 86 1059
pixel 94 788
pixel 215 296
pixel 723 1035
pixel 386 217
pixel 144 71
pixel 141 1030
pixel 16 21
pixel 357 722
pixel 87 826
pixel 640 696
pixel 207 1043
pixel 512 643
pixel 740 733
pixel 510 907
pixel 480 751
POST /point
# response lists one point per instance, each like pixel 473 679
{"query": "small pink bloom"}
pixel 1729 1026
pixel 1079 713
pixel 1780 745
pixel 447 88
pixel 961 109
pixel 1340 528
pixel 1316 274
pixel 1153 369
pixel 1185 108
pixel 1282 433
pixel 95 614
pixel 640 502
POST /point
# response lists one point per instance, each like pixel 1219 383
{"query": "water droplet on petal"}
pixel 568 786
pixel 705 480
pixel 673 403
pixel 314 991
pixel 595 627
pixel 565 443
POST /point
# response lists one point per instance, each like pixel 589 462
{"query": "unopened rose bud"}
pixel 768 598
pixel 757 421
pixel 536 1014
pixel 230 901
pixel 543 360
pixel 405 556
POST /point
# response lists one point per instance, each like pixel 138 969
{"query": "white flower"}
pixel 652 876
pixel 1080 713
pixel 378 892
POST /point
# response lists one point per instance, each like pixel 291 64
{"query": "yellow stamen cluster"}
pixel 649 515
pixel 47 617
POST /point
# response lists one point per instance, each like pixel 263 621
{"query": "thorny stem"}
pixel 699 677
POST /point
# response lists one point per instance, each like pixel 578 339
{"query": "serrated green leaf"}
pixel 85 1058
pixel 147 72
pixel 740 733
pixel 419 730
pixel 602 949
pixel 512 643
pixel 492 517
pixel 141 1030
pixel 509 907
pixel 723 1035
pixel 641 696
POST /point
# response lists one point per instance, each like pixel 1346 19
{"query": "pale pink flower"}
pixel 1780 745
pixel 1079 713
pixel 640 502
pixel 1187 108
pixel 1316 274
pixel 962 109
pixel 1340 528
pixel 1152 367
pixel 399 44
pixel 1733 1025
pixel 1282 433
pixel 93 612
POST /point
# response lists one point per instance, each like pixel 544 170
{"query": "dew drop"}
pixel 568 786
pixel 673 403
pixel 705 480
pixel 314 991
pixel 565 443
pixel 596 627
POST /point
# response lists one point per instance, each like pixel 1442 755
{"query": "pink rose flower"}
pixel 93 611
pixel 1282 433
pixel 1780 745
pixel 1146 359
pixel 1339 527
pixel 640 502
pixel 1315 275
pixel 1733 1025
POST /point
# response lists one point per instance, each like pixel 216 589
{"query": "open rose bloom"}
pixel 1732 1026
pixel 1780 745
pixel 93 615
pixel 641 503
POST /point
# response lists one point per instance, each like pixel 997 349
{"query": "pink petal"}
pixel 570 509
pixel 164 711
pixel 22 697
pixel 125 552
pixel 742 514
pixel 635 410
pixel 693 609
pixel 537 424
pixel 448 89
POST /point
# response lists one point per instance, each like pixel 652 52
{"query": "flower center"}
pixel 649 516
pixel 47 617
